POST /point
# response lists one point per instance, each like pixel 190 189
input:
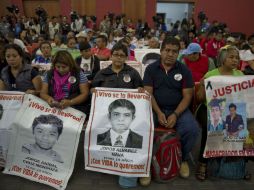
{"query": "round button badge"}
pixel 126 78
pixel 178 77
pixel 72 79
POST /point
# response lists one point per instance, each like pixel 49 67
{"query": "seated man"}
pixel 171 86
pixel 100 50
pixel 89 63
pixel 198 63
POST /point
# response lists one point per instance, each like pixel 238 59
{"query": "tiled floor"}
pixel 86 180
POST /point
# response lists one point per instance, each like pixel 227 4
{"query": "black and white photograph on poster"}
pixel 10 103
pixel 121 113
pixel 46 130
pixel 150 58
pixel 44 142
pixel 230 108
pixel 119 134
pixel 140 53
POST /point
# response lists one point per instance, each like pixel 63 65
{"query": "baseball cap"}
pixel 246 55
pixel 231 39
pixel 82 34
pixel 192 48
pixel 89 30
pixel 216 102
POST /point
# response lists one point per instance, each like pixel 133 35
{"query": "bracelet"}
pixel 176 114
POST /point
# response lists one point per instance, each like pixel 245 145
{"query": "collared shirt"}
pixel 234 124
pixel 114 135
pixel 219 127
pixel 126 78
pixel 168 85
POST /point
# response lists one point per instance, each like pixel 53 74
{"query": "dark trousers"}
pixel 201 117
pixel 187 127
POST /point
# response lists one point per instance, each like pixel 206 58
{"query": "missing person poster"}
pixel 10 102
pixel 230 116
pixel 119 134
pixel 141 53
pixel 44 142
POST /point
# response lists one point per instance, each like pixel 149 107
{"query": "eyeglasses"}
pixel 119 55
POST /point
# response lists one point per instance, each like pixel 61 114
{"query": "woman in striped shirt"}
pixel 65 85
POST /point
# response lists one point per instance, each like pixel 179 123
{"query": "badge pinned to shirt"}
pixel 126 78
pixel 178 77
pixel 72 79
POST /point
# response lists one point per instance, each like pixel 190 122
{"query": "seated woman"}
pixel 65 85
pixel 18 75
pixel 228 60
pixel 119 75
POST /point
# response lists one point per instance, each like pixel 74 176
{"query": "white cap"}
pixel 246 55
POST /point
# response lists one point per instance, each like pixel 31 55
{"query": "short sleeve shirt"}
pixel 216 72
pixel 126 78
pixel 168 86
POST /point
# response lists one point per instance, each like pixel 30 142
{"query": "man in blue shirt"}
pixel 171 86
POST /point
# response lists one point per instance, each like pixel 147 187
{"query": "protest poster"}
pixel 230 116
pixel 140 53
pixel 119 134
pixel 10 102
pixel 134 64
pixel 44 142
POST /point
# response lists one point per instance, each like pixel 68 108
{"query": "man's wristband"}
pixel 176 114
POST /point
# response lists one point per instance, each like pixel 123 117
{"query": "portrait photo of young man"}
pixel 46 130
pixel 234 121
pixel 121 114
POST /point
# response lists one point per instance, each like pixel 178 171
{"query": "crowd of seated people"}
pixel 198 52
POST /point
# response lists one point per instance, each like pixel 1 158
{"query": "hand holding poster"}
pixel 10 102
pixel 119 134
pixel 230 111
pixel 44 142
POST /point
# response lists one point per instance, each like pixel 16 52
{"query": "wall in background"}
pixel 237 14
pixel 173 11
pixel 143 9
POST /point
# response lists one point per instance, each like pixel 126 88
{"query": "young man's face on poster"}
pixel 232 111
pixel 45 135
pixel 120 119
pixel 215 113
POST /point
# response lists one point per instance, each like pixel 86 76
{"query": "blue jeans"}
pixel 187 127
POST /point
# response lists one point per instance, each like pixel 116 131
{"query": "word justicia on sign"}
pixel 233 88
